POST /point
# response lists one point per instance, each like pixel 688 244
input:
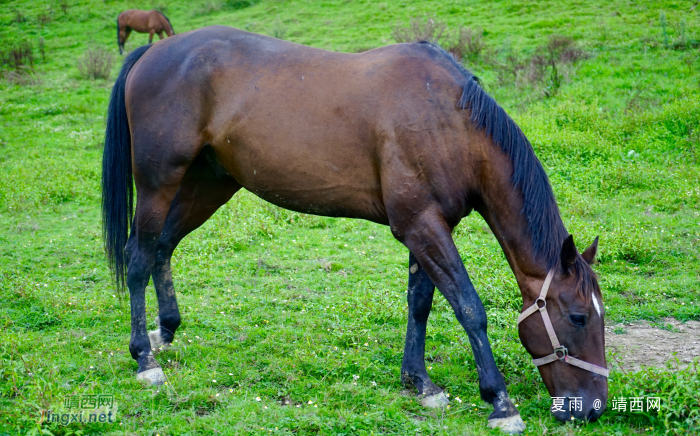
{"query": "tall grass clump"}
pixel 42 49
pixel 96 63
pixel 18 55
pixel 279 30
pixel 548 67
pixel 19 17
pixel 465 43
pixel 420 29
pixel 239 4
pixel 18 60
pixel 44 18
pixel 215 6
pixel 663 24
pixel 677 387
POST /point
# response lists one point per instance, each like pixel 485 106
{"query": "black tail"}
pixel 117 179
pixel 119 43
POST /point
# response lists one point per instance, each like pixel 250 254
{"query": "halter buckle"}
pixel 564 352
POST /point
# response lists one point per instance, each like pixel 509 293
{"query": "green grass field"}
pixel 281 310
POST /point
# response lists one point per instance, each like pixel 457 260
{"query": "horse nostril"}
pixel 592 415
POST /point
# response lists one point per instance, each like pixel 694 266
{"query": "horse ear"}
pixel 589 254
pixel 568 253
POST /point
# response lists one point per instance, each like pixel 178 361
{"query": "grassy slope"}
pixel 292 287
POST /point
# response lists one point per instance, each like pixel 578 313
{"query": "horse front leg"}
pixel 429 239
pixel 150 36
pixel 420 301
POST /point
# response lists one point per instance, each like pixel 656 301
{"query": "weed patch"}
pixel 464 44
pixel 96 63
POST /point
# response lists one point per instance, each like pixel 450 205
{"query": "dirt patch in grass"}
pixel 652 344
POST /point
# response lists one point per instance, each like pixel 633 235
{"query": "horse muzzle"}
pixel 587 409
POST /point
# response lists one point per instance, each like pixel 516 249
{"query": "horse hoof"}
pixel 511 425
pixel 153 376
pixel 156 339
pixel 435 401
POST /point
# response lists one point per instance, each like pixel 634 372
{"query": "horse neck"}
pixel 501 206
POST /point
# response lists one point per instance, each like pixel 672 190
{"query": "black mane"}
pixel 539 206
pixel 168 20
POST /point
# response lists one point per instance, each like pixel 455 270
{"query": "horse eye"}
pixel 579 320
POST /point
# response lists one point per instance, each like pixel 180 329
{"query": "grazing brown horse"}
pixel 143 22
pixel 402 136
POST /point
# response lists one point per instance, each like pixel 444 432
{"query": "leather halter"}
pixel 560 351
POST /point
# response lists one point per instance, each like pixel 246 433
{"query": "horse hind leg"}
pixel 203 190
pixel 124 36
pixel 121 35
pixel 420 301
pixel 155 193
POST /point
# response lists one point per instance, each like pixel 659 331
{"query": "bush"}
pixel 212 6
pixel 96 63
pixel 469 44
pixel 44 18
pixel 208 8
pixel 18 56
pixel 420 30
pixel 159 6
pixel 279 30
pixel 466 44
pixel 19 17
pixel 239 4
pixel 550 65
pixel 42 49
pixel 24 75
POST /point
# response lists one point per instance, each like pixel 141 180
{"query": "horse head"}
pixel 563 330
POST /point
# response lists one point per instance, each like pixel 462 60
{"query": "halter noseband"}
pixel 560 351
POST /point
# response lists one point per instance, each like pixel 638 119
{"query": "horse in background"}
pixel 150 22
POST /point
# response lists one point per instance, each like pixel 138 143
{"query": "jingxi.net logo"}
pixel 89 408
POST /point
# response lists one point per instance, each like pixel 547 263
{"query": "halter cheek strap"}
pixel 560 351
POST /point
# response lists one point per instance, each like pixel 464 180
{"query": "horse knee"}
pixel 472 317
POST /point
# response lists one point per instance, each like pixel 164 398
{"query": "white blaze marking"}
pixel 595 304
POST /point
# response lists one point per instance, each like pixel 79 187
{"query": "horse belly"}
pixel 307 179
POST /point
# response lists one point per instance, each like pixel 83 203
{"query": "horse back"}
pixel 307 129
pixel 143 21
